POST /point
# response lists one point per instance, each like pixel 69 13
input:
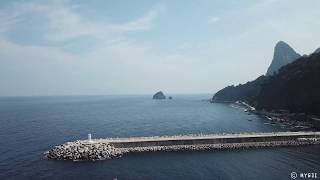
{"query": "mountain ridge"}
pixel 295 87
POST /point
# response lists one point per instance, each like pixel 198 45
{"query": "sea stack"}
pixel 159 95
pixel 283 55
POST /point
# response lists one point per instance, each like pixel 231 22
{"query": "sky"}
pixel 102 47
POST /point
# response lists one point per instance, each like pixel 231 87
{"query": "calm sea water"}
pixel 30 126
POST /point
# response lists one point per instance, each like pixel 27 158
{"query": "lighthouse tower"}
pixel 89 137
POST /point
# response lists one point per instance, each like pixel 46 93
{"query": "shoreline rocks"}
pixel 297 121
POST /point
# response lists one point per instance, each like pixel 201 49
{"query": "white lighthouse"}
pixel 89 137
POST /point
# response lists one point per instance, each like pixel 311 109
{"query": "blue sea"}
pixel 29 126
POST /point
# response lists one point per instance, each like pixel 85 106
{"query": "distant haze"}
pixel 66 47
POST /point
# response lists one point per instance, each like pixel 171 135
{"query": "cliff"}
pixel 283 54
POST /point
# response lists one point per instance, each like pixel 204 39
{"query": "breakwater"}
pixel 110 148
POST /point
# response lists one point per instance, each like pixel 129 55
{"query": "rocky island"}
pixel 159 95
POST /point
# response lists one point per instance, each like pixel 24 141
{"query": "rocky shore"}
pixel 296 121
pixel 103 150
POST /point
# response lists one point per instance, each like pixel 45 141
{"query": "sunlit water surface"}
pixel 30 126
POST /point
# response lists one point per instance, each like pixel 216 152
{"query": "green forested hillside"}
pixel 243 92
pixel 296 87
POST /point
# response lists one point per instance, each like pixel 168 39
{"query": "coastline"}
pixel 297 121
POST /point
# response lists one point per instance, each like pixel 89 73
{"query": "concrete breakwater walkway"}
pixel 110 148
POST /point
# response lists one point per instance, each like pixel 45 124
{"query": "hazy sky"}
pixel 83 47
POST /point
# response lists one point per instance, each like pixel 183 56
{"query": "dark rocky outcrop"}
pixel 159 95
pixel 283 54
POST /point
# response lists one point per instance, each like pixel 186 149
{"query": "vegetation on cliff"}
pixel 296 87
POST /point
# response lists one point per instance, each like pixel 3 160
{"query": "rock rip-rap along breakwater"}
pixel 84 150
pixel 110 148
